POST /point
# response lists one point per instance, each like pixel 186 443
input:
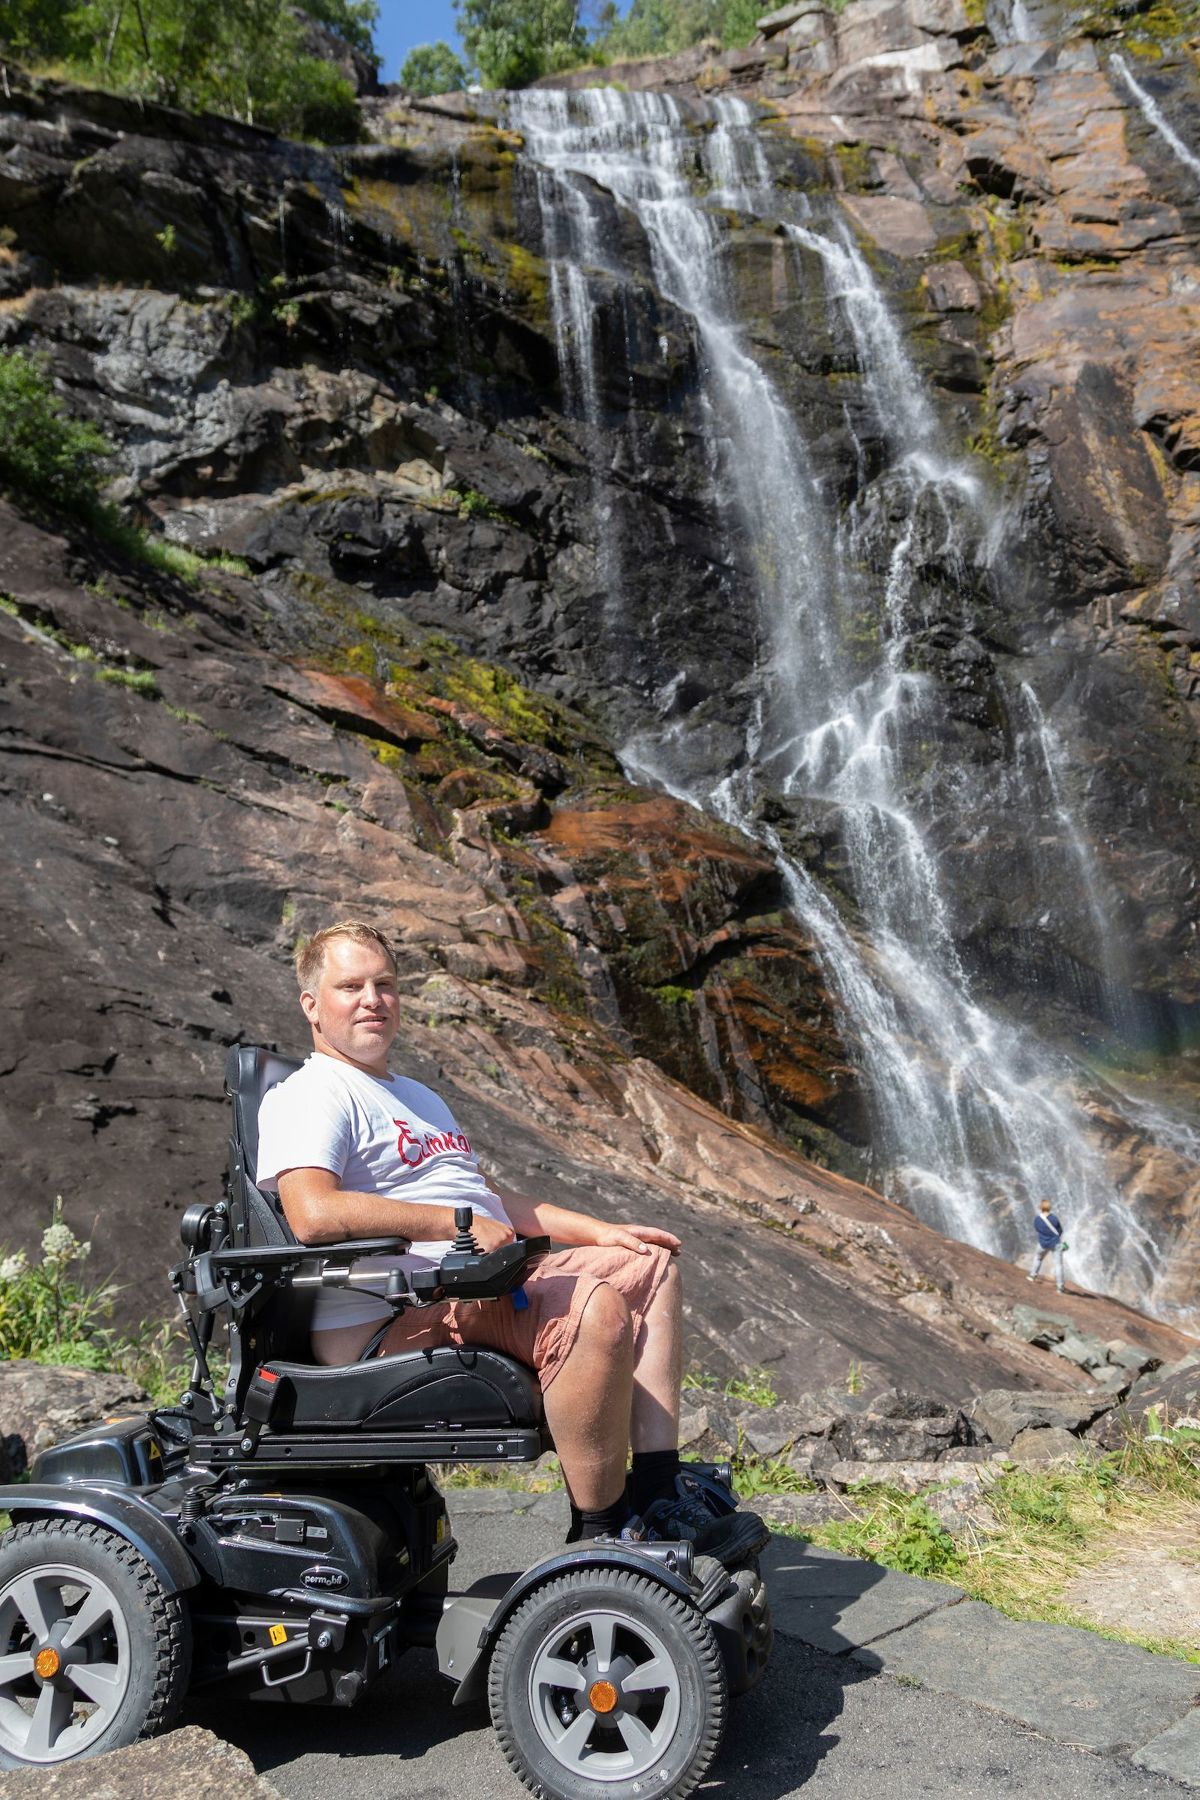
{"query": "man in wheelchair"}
pixel 354 1151
pixel 279 1534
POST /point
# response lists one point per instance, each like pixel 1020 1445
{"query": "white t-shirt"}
pixel 390 1137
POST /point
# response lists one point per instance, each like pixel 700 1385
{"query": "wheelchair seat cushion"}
pixel 412 1391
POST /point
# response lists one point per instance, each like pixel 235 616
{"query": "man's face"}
pixel 353 1012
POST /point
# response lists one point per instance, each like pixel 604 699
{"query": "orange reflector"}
pixel 47 1663
pixel 602 1696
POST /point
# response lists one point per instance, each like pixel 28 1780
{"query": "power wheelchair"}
pixel 284 1540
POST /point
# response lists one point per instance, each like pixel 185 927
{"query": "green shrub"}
pixel 314 102
pixel 43 450
pixel 50 1313
pixel 47 1313
pixel 898 1531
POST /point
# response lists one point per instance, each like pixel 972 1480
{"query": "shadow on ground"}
pixel 407 1738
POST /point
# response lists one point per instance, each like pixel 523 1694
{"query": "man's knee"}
pixel 606 1325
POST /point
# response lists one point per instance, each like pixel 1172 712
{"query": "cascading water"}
pixel 974 1118
pixel 1156 117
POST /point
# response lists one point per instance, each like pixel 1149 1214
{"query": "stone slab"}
pixel 837 1603
pixel 1174 1752
pixel 191 1761
pixel 1065 1683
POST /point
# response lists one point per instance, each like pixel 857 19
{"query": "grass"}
pixel 755 1386
pixel 159 553
pixel 542 1477
pixel 1051 1526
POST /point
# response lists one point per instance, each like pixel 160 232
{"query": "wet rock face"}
pixel 343 370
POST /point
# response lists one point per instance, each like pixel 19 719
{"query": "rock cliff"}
pixel 472 563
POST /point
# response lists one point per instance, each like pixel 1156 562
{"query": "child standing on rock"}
pixel 1050 1241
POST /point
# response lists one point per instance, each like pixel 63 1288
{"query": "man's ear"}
pixel 308 1006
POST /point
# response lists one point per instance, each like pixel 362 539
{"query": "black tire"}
pixel 120 1678
pixel 603 1628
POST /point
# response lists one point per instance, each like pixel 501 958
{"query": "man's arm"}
pixel 320 1211
pixel 534 1218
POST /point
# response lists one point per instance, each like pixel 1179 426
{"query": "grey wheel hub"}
pixel 64 1662
pixel 604 1693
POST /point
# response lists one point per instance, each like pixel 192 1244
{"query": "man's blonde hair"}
pixel 1047 1205
pixel 310 954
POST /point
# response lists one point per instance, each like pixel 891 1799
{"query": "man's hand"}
pixel 635 1237
pixel 491 1233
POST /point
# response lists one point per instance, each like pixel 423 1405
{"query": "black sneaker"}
pixel 687 1515
pixel 711 1483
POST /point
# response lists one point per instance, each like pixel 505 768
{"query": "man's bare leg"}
pixel 658 1369
pixel 588 1403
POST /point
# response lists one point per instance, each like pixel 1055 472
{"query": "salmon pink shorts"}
pixel 541 1334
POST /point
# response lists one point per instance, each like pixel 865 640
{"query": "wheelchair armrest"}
pixel 479 1275
pixel 283 1256
pixel 224 1277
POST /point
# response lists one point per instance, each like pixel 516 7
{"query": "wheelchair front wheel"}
pixel 93 1653
pixel 605 1683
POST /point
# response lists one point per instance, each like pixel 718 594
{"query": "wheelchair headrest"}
pixel 250 1070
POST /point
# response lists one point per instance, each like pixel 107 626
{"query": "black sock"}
pixel 606 1521
pixel 653 1477
pixel 576 1528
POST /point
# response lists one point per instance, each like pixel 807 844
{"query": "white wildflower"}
pixel 59 1244
pixel 11 1267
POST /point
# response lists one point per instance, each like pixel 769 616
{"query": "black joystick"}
pixel 464 1242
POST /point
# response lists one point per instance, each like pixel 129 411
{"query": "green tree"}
pixel 512 42
pixel 661 27
pixel 353 20
pixel 44 451
pixel 433 69
pixel 246 59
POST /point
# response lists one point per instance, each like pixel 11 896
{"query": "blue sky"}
pixel 405 23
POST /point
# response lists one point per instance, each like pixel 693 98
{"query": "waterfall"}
pixel 975 1120
pixel 1155 117
pixel 1107 958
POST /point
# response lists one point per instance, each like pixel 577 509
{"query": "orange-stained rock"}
pixel 356 704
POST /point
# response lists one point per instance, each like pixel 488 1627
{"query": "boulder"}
pixel 1174 1390
pixel 872 1438
pixel 1048 1444
pixel 39 1406
pixel 949 287
pixel 1113 1362
pixel 800 1509
pixel 192 1761
pixel 911 1477
pixel 964 1514
pixel 1001 1414
pixel 787 15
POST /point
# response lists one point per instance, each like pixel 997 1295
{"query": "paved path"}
pixel 881 1685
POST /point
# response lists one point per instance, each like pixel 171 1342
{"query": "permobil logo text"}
pixel 322 1577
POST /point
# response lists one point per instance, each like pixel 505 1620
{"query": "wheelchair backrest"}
pixel 255 1218
pixel 279 1323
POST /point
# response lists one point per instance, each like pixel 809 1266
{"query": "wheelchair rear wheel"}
pixel 605 1682
pixel 93 1653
